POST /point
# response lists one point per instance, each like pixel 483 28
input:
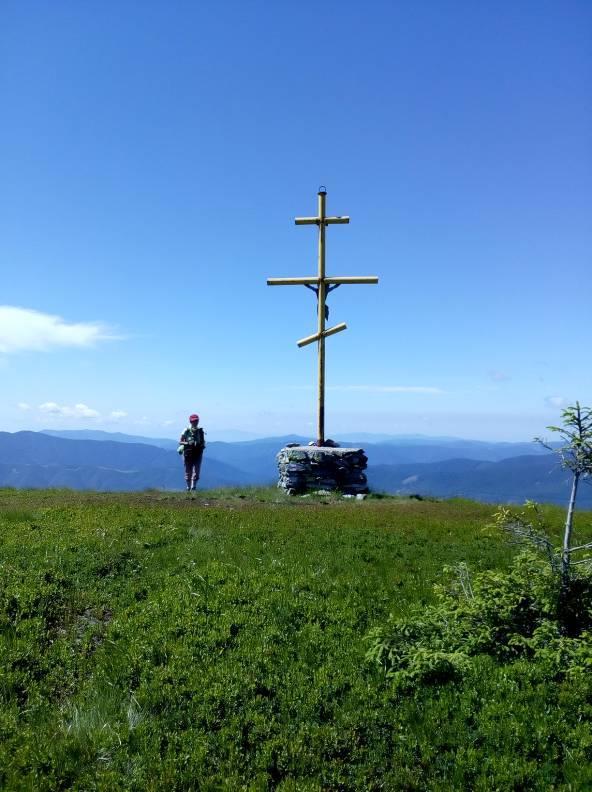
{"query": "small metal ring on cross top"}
pixel 322 190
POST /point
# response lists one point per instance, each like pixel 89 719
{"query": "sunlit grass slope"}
pixel 151 643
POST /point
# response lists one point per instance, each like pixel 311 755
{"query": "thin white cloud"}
pixel 117 414
pixel 24 329
pixel 66 411
pixel 23 406
pixel 557 402
pixel 499 376
pixel 386 388
pixel 367 388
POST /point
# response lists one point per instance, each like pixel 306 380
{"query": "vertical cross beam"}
pixel 322 297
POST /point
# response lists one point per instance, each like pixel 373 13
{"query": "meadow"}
pixel 148 642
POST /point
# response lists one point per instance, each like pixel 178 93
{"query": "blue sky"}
pixel 154 155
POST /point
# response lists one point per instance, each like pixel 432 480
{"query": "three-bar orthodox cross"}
pixel 322 285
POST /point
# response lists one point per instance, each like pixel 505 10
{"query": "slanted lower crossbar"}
pixel 315 336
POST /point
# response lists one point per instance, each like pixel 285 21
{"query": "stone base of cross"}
pixel 322 285
pixel 312 469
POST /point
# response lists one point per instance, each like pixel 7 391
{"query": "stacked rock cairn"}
pixel 322 468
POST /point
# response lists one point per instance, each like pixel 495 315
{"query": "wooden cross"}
pixel 322 285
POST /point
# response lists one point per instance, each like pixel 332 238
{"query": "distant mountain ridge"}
pixel 35 459
pixel 348 438
pixel 442 467
pixel 114 437
pixel 257 457
pixel 513 480
pixel 161 442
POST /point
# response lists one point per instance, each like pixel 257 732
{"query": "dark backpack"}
pixel 194 440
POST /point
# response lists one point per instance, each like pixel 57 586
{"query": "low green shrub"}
pixel 509 615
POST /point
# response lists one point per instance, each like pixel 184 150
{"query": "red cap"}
pixel 193 417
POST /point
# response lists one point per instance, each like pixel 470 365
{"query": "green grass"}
pixel 148 642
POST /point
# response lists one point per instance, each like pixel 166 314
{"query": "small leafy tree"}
pixel 534 609
pixel 576 455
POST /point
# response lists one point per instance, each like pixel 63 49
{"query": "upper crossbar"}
pixel 312 280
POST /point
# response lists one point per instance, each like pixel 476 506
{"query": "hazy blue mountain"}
pixel 392 453
pixel 37 448
pixel 400 439
pixel 36 459
pixel 445 468
pixel 232 435
pixel 225 436
pixel 114 480
pixel 116 437
pixel 255 456
pixel 513 480
pixel 258 456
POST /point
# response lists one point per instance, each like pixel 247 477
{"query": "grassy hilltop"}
pixel 151 643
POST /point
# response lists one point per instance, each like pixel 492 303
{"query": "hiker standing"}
pixel 191 444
